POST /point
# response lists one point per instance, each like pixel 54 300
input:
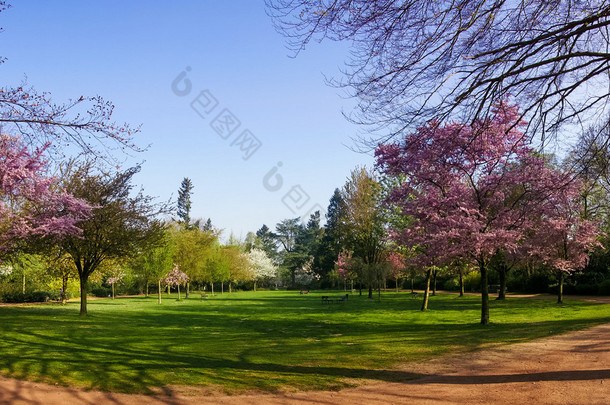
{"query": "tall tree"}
pixel 363 224
pixel 184 202
pixel 415 60
pixel 120 226
pixel 332 240
pixel 292 256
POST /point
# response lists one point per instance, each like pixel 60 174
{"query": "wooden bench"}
pixel 326 300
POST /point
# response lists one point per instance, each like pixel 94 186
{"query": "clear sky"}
pixel 240 72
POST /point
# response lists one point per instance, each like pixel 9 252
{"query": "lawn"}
pixel 264 340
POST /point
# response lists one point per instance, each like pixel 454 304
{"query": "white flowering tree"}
pixel 261 265
pixel 176 277
pixel 305 275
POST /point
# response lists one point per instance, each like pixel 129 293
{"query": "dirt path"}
pixel 569 369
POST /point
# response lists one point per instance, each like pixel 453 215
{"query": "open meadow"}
pixel 263 341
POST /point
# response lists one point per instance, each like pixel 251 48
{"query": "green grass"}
pixel 264 340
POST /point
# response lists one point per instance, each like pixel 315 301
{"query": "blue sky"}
pixel 131 52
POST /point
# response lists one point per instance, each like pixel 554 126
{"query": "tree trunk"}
pixel 370 290
pixel 461 282
pixel 168 289
pixel 229 287
pixel 360 287
pixel 112 285
pixel 484 293
pixel 502 292
pixel 83 295
pixel 222 288
pixel 434 283
pixel 424 304
pixel 188 285
pixel 178 292
pixel 412 288
pixel 23 280
pixel 560 288
pixel 254 285
pixel 159 291
pixel 396 284
pixel 147 289
pixel 212 289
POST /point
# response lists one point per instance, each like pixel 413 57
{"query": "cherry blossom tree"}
pixel 176 277
pixel 31 207
pixel 396 263
pixel 470 195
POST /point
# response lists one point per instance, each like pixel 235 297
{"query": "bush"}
pixel 36 296
pixel 453 284
pixel 100 291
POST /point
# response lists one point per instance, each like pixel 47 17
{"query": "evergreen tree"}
pixel 332 241
pixel 184 202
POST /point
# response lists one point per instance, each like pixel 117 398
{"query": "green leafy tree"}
pixel 121 224
pixel 363 225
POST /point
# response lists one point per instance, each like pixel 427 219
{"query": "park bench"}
pixel 343 299
pixel 304 291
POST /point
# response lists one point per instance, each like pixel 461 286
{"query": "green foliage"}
pixel 472 281
pixel 266 340
pixel 34 296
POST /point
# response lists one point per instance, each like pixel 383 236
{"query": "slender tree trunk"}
pixel 188 285
pixel 461 282
pixel 159 291
pixel 254 285
pixel 83 295
pixel 168 289
pixel 396 284
pixel 560 288
pixel 502 292
pixel 222 288
pixel 212 289
pixel 412 288
pixel 352 283
pixel 379 290
pixel 484 293
pixel 147 289
pixel 434 283
pixel 23 280
pixel 112 285
pixel 424 304
pixel 229 287
pixel 360 287
pixel 178 292
pixel 370 290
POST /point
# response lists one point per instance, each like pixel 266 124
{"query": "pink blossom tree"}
pixel 471 188
pixel 176 277
pixel 31 206
pixel 396 266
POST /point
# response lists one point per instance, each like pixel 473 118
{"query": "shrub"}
pixel 100 291
pixel 19 297
pixel 453 284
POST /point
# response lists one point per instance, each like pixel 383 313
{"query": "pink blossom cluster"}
pixel 175 277
pixel 30 205
pixel 342 264
pixel 473 189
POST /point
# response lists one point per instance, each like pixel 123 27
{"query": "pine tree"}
pixel 184 202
